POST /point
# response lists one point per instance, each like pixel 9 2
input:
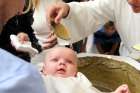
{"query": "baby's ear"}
pixel 76 74
pixel 42 70
pixel 40 66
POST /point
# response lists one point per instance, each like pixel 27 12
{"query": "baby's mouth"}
pixel 61 71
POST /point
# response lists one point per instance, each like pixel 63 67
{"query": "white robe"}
pixel 85 18
pixel 79 84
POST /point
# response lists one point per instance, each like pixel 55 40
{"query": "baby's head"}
pixel 23 37
pixel 60 62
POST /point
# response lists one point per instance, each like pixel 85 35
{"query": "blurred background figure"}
pixel 19 25
pixel 107 39
pixel 21 22
pixel 17 76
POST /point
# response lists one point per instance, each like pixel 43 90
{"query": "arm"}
pixel 98 41
pixel 114 48
pixel 84 18
pixel 116 43
pixel 99 48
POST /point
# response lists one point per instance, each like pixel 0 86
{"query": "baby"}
pixel 22 43
pixel 60 70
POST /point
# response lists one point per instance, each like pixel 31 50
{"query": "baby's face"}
pixel 110 30
pixel 23 37
pixel 61 62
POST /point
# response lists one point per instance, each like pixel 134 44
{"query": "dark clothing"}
pixel 19 23
pixel 106 41
pixel 76 46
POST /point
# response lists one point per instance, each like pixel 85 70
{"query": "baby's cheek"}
pixel 51 70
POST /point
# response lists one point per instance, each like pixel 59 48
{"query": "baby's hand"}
pixel 23 37
pixel 122 89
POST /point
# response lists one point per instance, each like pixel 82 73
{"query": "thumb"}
pixel 59 17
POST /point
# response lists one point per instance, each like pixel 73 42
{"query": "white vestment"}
pixel 85 18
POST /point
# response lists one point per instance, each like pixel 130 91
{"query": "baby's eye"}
pixel 54 59
pixel 69 61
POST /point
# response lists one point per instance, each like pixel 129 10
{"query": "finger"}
pixel 50 34
pixel 49 45
pixel 51 39
pixel 51 13
pixel 46 45
pixel 53 44
pixel 59 16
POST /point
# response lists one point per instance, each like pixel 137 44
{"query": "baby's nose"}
pixel 62 62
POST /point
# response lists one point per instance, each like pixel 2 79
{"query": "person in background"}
pixel 61 74
pixel 124 13
pixel 19 25
pixel 17 76
pixel 40 25
pixel 107 39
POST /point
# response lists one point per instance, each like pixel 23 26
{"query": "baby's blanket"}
pixel 79 84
